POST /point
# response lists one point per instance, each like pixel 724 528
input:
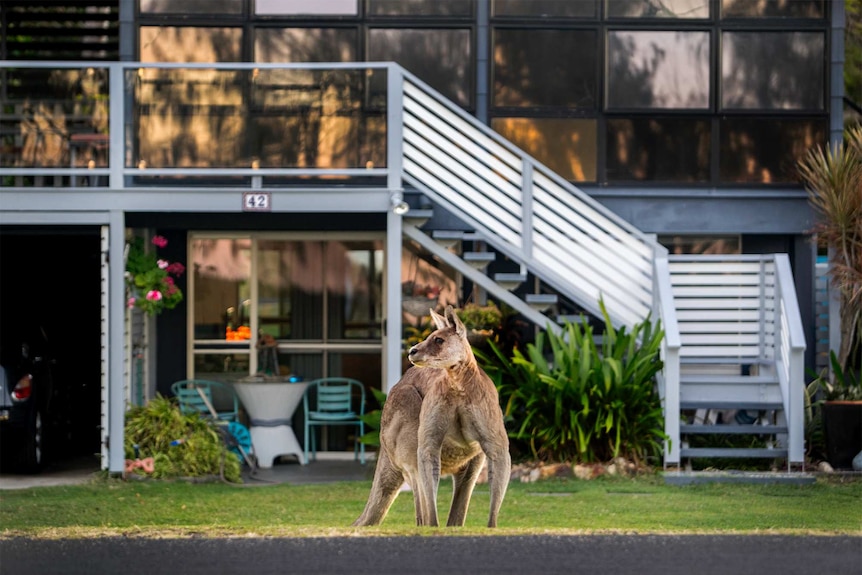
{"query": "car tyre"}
pixel 33 446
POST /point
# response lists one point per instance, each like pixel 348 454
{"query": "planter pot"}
pixel 842 428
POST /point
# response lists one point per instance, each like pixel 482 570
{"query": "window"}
pixel 567 146
pixel 305 44
pixel 545 8
pixel 441 57
pixel 304 7
pixel 773 70
pixel 545 68
pixel 658 69
pixel 192 7
pixel 190 44
pixel 658 8
pixel 765 150
pixel 772 9
pixel 420 7
pixel 652 149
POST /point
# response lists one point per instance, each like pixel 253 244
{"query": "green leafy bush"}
pixel 587 403
pixel 181 445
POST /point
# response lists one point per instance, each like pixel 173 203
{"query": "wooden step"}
pixel 541 301
pixel 417 218
pixel 479 260
pixel 746 405
pixel 720 379
pixel 510 281
pixel 730 452
pixel 447 238
pixel 732 429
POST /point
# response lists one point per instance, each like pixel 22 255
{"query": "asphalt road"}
pixel 449 555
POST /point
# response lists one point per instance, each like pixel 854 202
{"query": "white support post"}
pixel 116 322
pixel 394 228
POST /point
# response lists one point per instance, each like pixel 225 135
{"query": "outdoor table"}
pixel 270 403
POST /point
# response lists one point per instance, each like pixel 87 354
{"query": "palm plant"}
pixel 833 179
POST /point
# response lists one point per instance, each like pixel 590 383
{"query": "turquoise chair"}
pixel 220 396
pixel 333 401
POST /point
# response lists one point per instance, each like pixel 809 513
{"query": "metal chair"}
pixel 330 401
pixel 202 395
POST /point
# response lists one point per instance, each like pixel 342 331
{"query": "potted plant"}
pixel 841 414
pixel 480 321
pixel 833 177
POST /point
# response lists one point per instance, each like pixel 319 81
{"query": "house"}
pixel 303 179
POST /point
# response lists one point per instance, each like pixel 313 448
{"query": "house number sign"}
pixel 256 202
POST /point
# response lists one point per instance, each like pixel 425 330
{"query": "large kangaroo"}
pixel 442 418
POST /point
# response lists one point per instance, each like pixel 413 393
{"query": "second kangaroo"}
pixel 442 418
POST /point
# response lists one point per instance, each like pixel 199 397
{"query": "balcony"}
pixel 128 126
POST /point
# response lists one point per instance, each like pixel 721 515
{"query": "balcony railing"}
pixel 129 124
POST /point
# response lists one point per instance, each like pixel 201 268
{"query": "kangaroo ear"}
pixel 456 322
pixel 438 320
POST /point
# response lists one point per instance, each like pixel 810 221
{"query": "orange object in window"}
pixel 241 333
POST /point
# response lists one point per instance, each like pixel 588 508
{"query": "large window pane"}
pixel 306 7
pixel 420 7
pixel 658 69
pixel 772 8
pixel 658 8
pixel 566 146
pixel 669 149
pixel 441 57
pixel 192 6
pixel 354 295
pixel 221 306
pixel 290 288
pixel 546 8
pixel 774 70
pixel 305 44
pixel 190 44
pixel 766 150
pixel 545 68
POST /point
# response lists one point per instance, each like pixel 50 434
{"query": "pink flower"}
pixel 154 295
pixel 163 264
pixel 131 303
pixel 159 241
pixel 176 268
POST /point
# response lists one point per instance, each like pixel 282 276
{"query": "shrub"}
pixel 181 445
pixel 587 403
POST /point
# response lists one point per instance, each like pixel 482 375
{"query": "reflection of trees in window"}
pixel 658 69
pixel 420 7
pixel 669 149
pixel 191 7
pixel 566 146
pixel 658 8
pixel 765 150
pixel 546 8
pixel 441 57
pixel 774 70
pixel 548 68
pixel 772 8
pixel 305 45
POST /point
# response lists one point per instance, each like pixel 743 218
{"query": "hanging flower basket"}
pixel 418 305
pixel 150 279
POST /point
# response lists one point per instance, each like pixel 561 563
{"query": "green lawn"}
pixel 608 505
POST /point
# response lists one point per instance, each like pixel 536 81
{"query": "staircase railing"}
pixel 668 377
pixel 525 210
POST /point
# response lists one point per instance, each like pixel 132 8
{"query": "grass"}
pixel 608 505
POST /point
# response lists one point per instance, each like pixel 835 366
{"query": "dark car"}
pixel 31 408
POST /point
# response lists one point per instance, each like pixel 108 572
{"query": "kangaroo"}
pixel 442 418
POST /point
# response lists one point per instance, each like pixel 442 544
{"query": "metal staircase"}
pixel 733 334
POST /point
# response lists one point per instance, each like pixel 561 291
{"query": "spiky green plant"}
pixel 586 403
pixel 833 178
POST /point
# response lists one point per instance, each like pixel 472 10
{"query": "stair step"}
pixel 733 429
pixel 571 318
pixel 447 238
pixel 750 452
pixel 541 301
pixel 727 379
pixel 756 405
pixel 479 260
pixel 510 281
pixel 473 237
pixel 726 360
pixel 417 218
